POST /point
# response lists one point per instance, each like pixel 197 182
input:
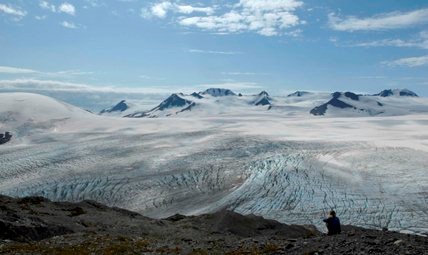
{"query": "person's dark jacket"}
pixel 333 225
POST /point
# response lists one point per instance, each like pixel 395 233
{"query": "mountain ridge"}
pixel 216 101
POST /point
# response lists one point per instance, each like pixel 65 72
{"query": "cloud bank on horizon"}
pixel 280 45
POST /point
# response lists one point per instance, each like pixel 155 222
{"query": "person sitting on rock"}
pixel 333 224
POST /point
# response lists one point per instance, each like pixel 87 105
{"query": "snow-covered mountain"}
pixel 387 103
pixel 174 104
pixel 218 92
pixel 120 107
pixel 210 102
pixel 263 99
pixel 299 94
pixel 217 101
pixel 396 92
pixel 24 113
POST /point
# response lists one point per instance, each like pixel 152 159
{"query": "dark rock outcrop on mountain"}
pixel 263 101
pixel 218 92
pixel 173 101
pixel 385 93
pixel 4 138
pixel 120 107
pixel 298 94
pixel 35 225
pixel 336 102
pixel 196 95
pixel 351 95
pixel 262 98
pixel 396 92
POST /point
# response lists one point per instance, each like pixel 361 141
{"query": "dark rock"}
pixel 398 92
pixel 120 107
pixel 32 200
pixel 218 92
pixel 176 217
pixel 298 94
pixel 31 231
pixel 173 101
pixel 352 96
pixel 197 95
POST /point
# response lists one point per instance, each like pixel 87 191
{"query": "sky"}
pixel 132 46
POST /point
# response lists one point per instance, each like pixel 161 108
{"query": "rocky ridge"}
pixel 35 225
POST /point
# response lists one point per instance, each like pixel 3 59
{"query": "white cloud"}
pixel 214 52
pixel 32 72
pixel 420 42
pixel 43 17
pixel 7 9
pixel 47 6
pixel 148 77
pixel 409 62
pixel 34 84
pixel 268 18
pixel 232 85
pixel 15 70
pixel 395 43
pixel 67 8
pixel 161 9
pixel 53 85
pixel 243 73
pixel 94 3
pixel 69 25
pixel 188 9
pixel 385 21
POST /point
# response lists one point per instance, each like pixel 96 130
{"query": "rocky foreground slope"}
pixel 35 225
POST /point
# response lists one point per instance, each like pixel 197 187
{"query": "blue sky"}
pixel 186 45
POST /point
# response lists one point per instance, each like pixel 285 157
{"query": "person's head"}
pixel 332 213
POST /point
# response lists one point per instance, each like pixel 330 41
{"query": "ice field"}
pixel 290 167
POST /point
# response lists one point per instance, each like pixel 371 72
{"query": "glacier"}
pixel 371 170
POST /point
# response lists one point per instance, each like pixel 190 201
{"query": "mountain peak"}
pixel 218 92
pixel 298 94
pixel 263 93
pixel 396 92
pixel 196 95
pixel 173 101
pixel 120 107
pixel 262 99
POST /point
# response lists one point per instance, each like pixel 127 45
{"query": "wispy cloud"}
pixel 408 62
pixel 420 42
pixel 64 73
pixel 267 18
pixel 47 6
pixel 199 51
pixel 14 11
pixel 64 7
pixel 15 70
pixel 67 8
pixel 243 73
pixel 94 3
pixel 42 17
pixel 232 85
pixel 384 21
pixel 69 25
pixel 148 77
pixel 29 85
pixel 373 77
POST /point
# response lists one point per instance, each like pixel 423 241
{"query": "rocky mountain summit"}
pixel 35 225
